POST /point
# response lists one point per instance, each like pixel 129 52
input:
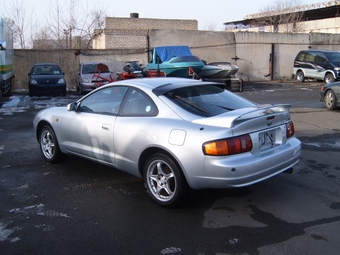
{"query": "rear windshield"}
pixel 207 101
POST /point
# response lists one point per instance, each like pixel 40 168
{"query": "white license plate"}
pixel 267 139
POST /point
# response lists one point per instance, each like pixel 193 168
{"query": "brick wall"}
pixel 146 24
pixel 132 32
pixel 249 51
pixel 127 39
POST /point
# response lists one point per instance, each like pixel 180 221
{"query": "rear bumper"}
pixel 243 170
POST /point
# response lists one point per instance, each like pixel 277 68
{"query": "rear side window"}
pixel 309 57
pixel 301 56
pixel 137 103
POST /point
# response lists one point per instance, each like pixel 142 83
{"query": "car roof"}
pixel 319 51
pixel 47 63
pixel 92 63
pixel 161 85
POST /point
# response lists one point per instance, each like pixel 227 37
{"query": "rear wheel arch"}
pixel 150 151
pixel 163 178
pixel 300 75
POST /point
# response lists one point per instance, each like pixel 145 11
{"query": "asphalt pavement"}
pixel 82 207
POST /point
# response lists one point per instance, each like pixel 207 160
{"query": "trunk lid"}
pixel 248 120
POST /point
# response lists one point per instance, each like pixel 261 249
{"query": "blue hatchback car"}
pixel 46 79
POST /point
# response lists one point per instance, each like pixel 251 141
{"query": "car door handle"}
pixel 106 126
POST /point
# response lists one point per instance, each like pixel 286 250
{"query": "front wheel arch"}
pixel 48 144
pixel 329 78
pixel 330 100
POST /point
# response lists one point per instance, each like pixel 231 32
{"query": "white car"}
pixel 91 75
pixel 174 133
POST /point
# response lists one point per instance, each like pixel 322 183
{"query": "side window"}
pixel 321 58
pixel 137 103
pixel 104 101
pixel 309 57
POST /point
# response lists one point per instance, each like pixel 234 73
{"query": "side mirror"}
pixel 72 107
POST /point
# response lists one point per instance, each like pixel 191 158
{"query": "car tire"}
pixel 329 78
pixel 164 180
pixel 300 76
pixel 235 86
pixel 49 145
pixel 330 100
pixel 81 92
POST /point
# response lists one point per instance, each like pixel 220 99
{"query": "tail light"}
pixel 290 130
pixel 228 146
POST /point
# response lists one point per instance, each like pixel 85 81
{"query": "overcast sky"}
pixel 208 13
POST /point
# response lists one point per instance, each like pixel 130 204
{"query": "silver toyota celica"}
pixel 175 133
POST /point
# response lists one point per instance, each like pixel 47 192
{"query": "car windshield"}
pixel 334 57
pixel 207 101
pixel 94 68
pixel 46 70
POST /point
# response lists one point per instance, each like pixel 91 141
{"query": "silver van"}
pixel 321 65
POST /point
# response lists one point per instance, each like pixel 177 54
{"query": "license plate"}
pixel 267 139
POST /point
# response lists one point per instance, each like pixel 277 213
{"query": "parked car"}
pixel 46 78
pixel 330 95
pixel 174 133
pixel 91 76
pixel 321 65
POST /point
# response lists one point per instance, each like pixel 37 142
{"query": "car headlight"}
pixel 86 80
pixel 32 81
pixel 61 80
pixel 337 68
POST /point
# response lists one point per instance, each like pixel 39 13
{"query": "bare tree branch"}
pixel 281 13
pixel 19 22
pixel 71 26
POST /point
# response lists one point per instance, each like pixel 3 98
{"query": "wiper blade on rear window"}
pixel 191 103
pixel 223 107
